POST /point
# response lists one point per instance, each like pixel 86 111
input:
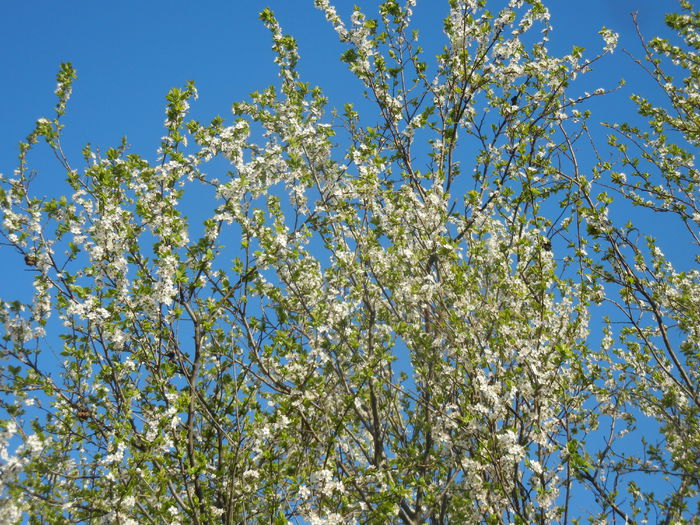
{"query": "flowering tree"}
pixel 390 323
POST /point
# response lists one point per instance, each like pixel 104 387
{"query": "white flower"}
pixel 251 475
pixel 304 492
pixel 33 444
pixel 610 39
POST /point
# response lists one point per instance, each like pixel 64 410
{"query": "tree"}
pixel 385 323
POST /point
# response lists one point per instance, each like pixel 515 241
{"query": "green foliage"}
pixel 382 321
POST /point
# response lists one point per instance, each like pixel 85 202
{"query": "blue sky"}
pixel 128 55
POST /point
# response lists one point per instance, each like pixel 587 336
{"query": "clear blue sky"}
pixel 128 54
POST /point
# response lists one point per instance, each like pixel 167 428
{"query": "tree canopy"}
pixel 444 306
